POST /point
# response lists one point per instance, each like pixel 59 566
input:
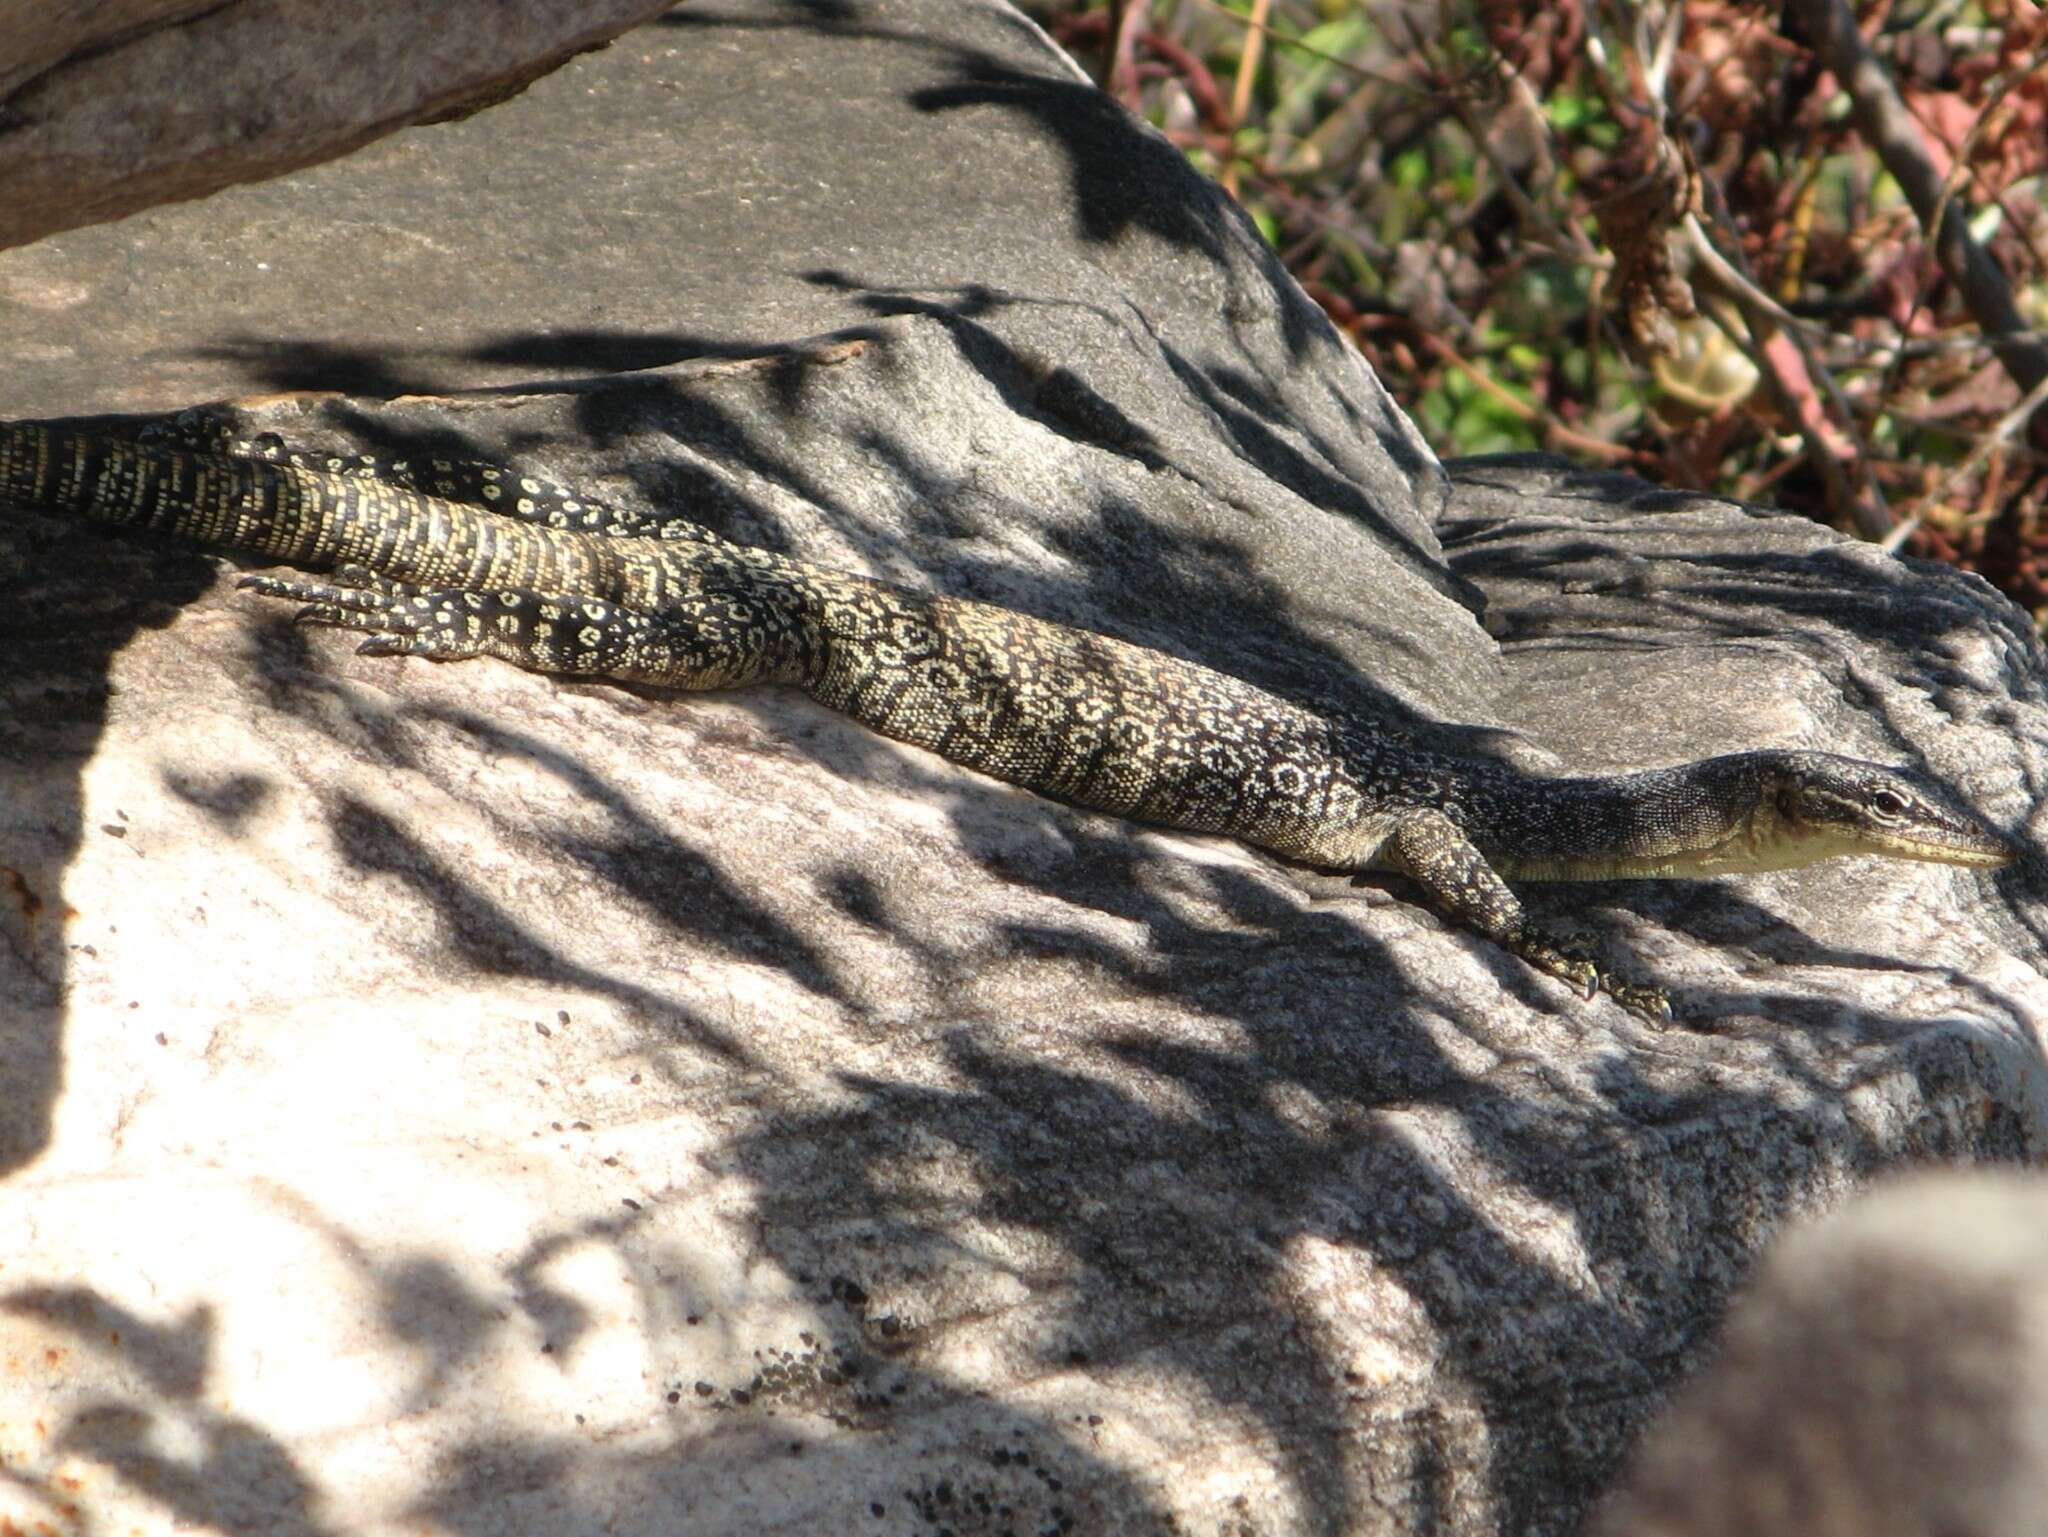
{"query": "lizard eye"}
pixel 1888 803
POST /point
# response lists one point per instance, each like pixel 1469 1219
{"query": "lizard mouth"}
pixel 1973 855
pixel 1968 848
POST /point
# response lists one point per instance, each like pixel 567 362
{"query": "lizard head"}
pixel 1837 805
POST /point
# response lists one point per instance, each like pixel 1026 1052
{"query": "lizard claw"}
pixel 1576 972
pixel 1570 961
pixel 342 603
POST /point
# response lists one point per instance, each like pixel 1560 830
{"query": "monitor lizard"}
pixel 446 559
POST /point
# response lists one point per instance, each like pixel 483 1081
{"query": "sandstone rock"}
pixel 445 1096
pixel 112 106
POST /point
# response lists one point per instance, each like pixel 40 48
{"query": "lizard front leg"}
pixel 1430 848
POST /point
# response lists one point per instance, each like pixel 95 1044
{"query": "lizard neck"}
pixel 1715 816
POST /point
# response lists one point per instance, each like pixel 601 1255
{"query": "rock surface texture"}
pixel 446 1099
pixel 108 107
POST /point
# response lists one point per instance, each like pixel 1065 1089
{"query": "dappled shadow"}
pixel 1167 1183
pixel 1174 1181
pixel 1120 179
pixel 236 1477
pixel 1251 411
pixel 70 600
pixel 559 359
pixel 1567 552
pixel 319 366
pixel 481 936
pixel 1164 1128
pixel 639 868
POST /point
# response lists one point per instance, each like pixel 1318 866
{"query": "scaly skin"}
pixel 448 559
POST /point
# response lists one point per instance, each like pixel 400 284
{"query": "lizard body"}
pixel 508 566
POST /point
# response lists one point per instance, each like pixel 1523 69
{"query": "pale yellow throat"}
pixel 1763 840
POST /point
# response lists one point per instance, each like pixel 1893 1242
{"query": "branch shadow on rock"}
pixel 236 1477
pixel 1245 401
pixel 1168 1184
pixel 1174 1273
pixel 69 602
pixel 1172 1184
pixel 638 865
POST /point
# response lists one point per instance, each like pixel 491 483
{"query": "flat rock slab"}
pixel 442 1097
pixel 115 106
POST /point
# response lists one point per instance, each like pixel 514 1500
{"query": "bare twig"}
pixel 1657 77
pixel 1881 117
pixel 1289 40
pixel 1988 114
pixel 1554 431
pixel 1248 60
pixel 1952 184
pixel 1737 286
pixel 1241 89
pixel 1127 20
pixel 2007 427
pixel 1859 501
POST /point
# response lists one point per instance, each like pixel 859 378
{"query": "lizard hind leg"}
pixel 714 641
pixel 474 482
pixel 398 618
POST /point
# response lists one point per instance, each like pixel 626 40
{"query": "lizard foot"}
pixel 1570 962
pixel 397 620
pixel 567 634
pixel 1650 1004
pixel 1555 958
